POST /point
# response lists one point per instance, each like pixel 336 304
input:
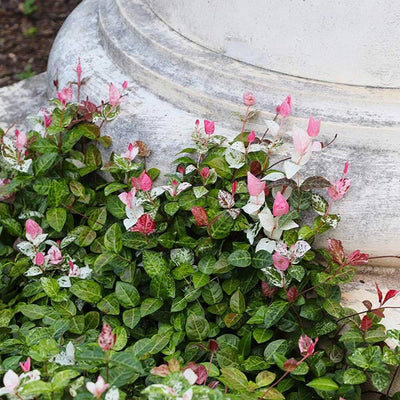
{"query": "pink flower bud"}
pixel 175 183
pixel 281 206
pixel 281 263
pixel 285 108
pixel 131 153
pixel 234 188
pixel 197 123
pixel 181 170
pixel 47 120
pixel 106 338
pixel 33 229
pixel 205 172
pixel 213 345
pixel 248 99
pixel 124 85
pixel 251 137
pixel 39 259
pixel 313 127
pixel 79 70
pixel 346 168
pixel 209 127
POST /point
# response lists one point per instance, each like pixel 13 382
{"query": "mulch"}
pixel 26 38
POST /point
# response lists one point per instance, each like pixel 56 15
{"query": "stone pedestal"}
pixel 182 64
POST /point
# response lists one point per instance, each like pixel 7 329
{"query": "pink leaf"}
pixel 254 185
pixel 200 215
pixel 336 251
pixel 280 263
pixel 379 291
pixel 391 293
pixel 33 229
pixel 366 323
pixel 290 365
pixel 313 127
pixel 114 95
pixel 357 258
pixel 286 107
pixel 145 225
pixel 145 182
pixel 281 206
pixel 339 188
pixel 251 137
pixel 209 127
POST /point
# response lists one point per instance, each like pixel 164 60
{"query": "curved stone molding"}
pixel 197 79
pixel 353 42
pixel 173 81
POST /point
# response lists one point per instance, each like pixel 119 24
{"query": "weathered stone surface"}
pixel 21 99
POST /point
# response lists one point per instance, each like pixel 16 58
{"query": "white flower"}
pixel 190 376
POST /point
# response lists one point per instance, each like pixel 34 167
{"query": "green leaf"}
pixel 333 308
pixel 290 216
pixel 127 361
pixel 240 258
pixel 97 218
pixel 353 376
pixel 380 380
pixel 5 317
pixel 131 317
pixel 275 312
pixel 162 286
pixel 375 335
pixel 222 226
pixel 234 379
pixel 50 286
pixel 56 218
pixel 149 306
pixel 93 156
pixel 279 346
pixel 44 163
pixel 43 146
pixel 212 293
pixel 109 305
pixel 237 302
pixel 127 295
pixel 113 238
pixel 324 384
pixel 61 379
pixel 58 193
pixel 200 279
pixel 262 335
pixel 36 388
pixel 84 236
pixel 77 324
pixel 116 207
pixel 32 311
pixel 262 259
pixel 171 208
pixel 87 290
pixel 113 187
pixel 197 327
pixel 13 227
pixel 77 189
pixel 154 263
pixel 221 167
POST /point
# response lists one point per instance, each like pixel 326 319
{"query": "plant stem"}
pixel 244 122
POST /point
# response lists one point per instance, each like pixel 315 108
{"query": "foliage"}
pixel 205 288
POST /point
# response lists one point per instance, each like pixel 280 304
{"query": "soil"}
pixel 27 31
